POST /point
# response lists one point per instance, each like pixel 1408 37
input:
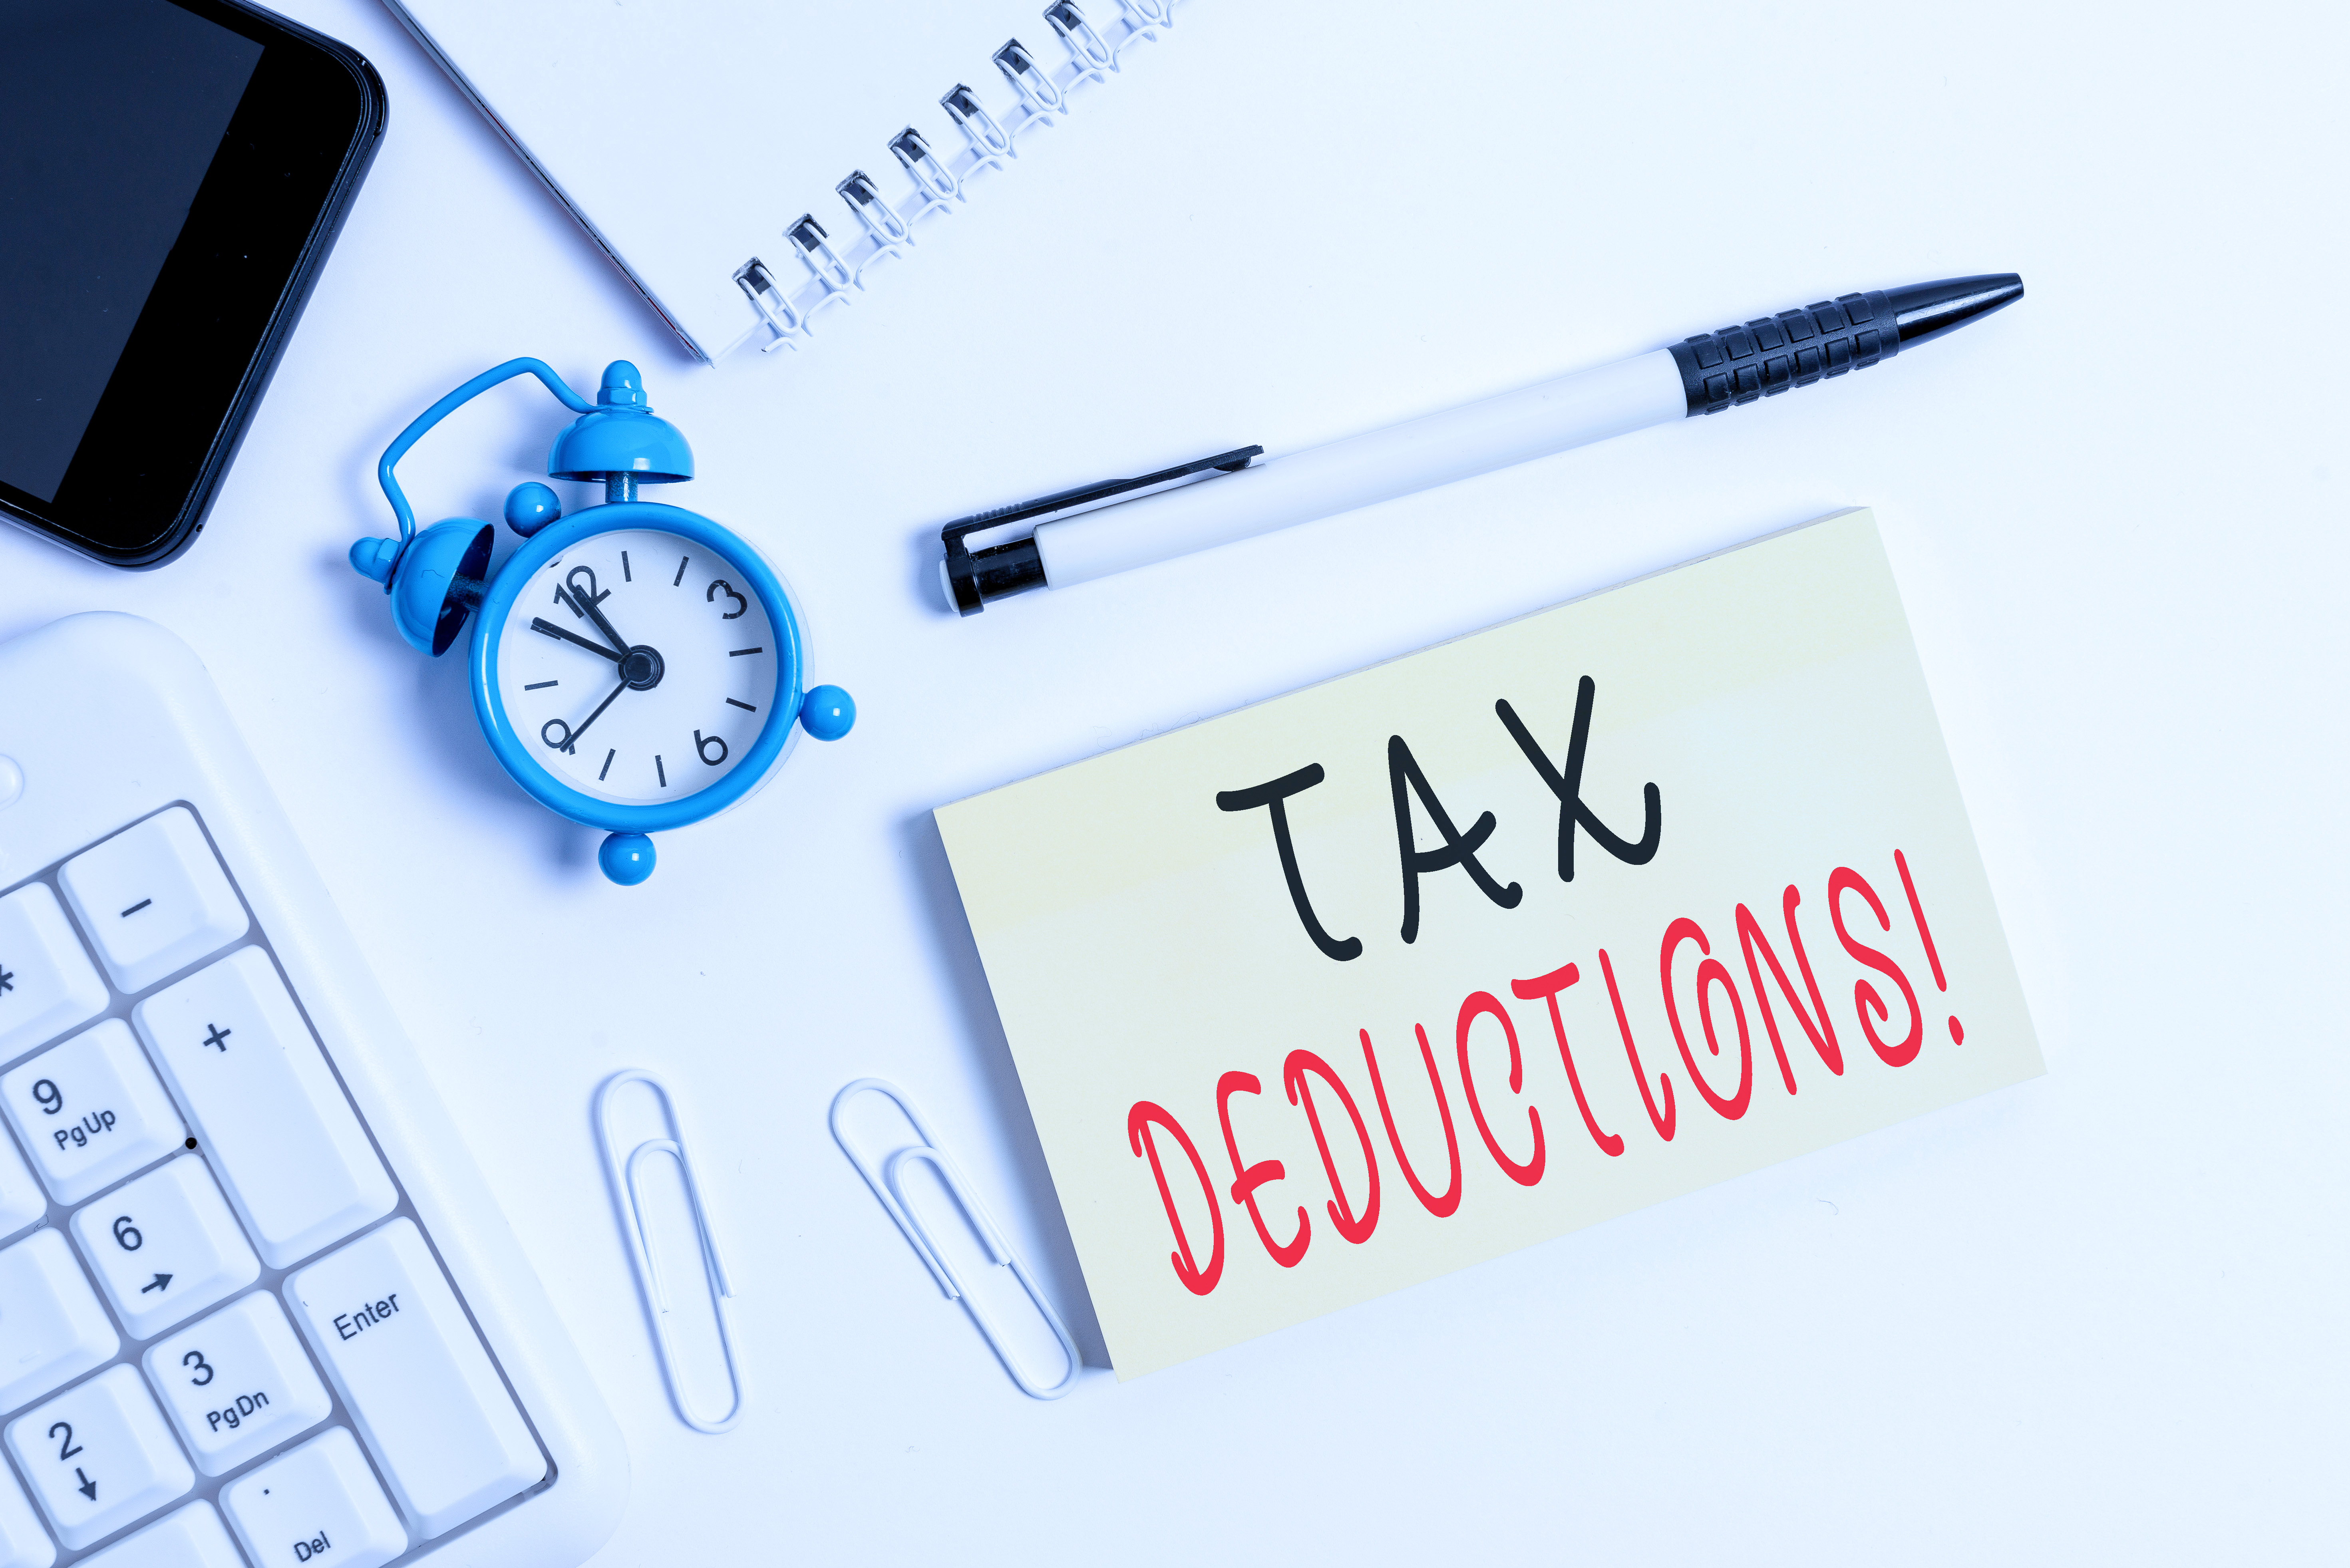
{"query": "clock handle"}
pixel 449 405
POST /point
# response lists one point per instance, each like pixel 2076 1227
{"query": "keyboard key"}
pixel 267 1108
pixel 98 1457
pixel 54 1328
pixel 153 899
pixel 237 1383
pixel 165 1247
pixel 414 1376
pixel 317 1504
pixel 23 1542
pixel 22 1202
pixel 91 1111
pixel 191 1538
pixel 47 984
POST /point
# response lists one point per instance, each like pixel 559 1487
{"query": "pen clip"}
pixel 974 576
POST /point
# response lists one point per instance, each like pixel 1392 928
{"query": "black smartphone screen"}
pixel 171 172
pixel 96 200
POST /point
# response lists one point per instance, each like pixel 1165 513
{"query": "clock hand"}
pixel 551 629
pixel 607 702
pixel 591 606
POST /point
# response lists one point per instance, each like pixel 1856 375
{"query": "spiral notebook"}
pixel 747 165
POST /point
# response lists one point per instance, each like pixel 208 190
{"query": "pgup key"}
pixel 90 1111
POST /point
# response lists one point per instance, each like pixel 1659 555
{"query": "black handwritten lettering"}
pixel 1567 785
pixel 1271 797
pixel 1459 848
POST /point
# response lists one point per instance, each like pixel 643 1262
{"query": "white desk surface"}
pixel 2093 1317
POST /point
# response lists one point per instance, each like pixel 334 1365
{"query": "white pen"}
pixel 1075 535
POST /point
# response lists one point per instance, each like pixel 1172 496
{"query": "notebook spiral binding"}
pixel 785 299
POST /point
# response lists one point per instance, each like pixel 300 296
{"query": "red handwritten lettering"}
pixel 1342 1214
pixel 1709 974
pixel 1478 1005
pixel 1441 1207
pixel 1823 1036
pixel 1309 1080
pixel 1138 1123
pixel 1547 987
pixel 1247 1178
pixel 1865 997
pixel 1663 1122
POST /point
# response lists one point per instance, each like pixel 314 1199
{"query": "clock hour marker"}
pixel 541 685
pixel 608 763
pixel 731 703
pixel 624 568
pixel 657 762
pixel 739 652
pixel 682 560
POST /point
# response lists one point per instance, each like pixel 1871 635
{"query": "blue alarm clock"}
pixel 636 666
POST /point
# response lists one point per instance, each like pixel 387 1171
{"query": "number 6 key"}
pixel 165 1247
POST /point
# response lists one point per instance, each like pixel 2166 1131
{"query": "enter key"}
pixel 415 1377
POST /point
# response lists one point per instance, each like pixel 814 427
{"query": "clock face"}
pixel 638 667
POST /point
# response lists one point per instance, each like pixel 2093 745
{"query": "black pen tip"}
pixel 1927 310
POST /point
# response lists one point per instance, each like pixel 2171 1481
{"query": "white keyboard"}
pixel 253 1307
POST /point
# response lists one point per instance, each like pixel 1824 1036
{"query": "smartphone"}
pixel 172 175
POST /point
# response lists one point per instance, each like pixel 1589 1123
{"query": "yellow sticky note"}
pixel 1388 976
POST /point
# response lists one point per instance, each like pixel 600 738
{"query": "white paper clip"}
pixel 991 144
pixel 623 1177
pixel 887 1186
pixel 1085 46
pixel 1030 80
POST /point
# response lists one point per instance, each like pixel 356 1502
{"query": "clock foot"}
pixel 627 858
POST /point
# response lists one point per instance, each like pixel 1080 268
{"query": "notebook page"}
pixel 686 136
